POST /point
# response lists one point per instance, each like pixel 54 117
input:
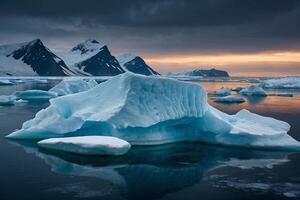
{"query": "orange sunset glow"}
pixel 273 60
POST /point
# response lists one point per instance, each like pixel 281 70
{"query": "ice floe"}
pixel 253 90
pixel 6 100
pixel 282 83
pixel 31 95
pixel 230 99
pixel 222 92
pixel 88 145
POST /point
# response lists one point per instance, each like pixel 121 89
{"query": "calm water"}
pixel 174 171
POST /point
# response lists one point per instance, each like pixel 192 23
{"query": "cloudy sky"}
pixel 245 37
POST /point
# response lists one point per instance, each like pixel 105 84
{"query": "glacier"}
pixel 153 110
pixel 73 85
pixel 87 145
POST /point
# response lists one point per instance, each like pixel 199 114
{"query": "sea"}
pixel 171 171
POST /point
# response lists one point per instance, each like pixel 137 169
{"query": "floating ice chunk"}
pixel 281 94
pixel 230 99
pixel 7 100
pixel 222 92
pixel 282 83
pixel 41 80
pixel 153 110
pixel 35 95
pixel 6 82
pixel 71 86
pixel 88 145
pixel 253 90
pixel 248 130
pixel 237 89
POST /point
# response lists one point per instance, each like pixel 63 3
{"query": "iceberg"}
pixel 153 110
pixel 222 92
pixel 72 86
pixel 31 95
pixel 87 145
pixel 253 90
pixel 281 83
pixel 6 82
pixel 230 99
pixel 7 100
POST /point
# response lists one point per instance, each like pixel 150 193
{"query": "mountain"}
pixel 89 58
pixel 135 64
pixel 31 59
pixel 92 58
pixel 203 72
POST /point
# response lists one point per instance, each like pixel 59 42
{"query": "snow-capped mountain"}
pixel 92 58
pixel 31 59
pixel 89 58
pixel 135 64
pixel 203 72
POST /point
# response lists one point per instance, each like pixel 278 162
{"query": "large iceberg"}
pixel 153 110
pixel 73 85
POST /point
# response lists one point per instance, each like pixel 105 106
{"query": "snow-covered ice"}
pixel 222 92
pixel 7 100
pixel 253 90
pixel 72 86
pixel 5 82
pixel 35 95
pixel 282 83
pixel 88 145
pixel 230 99
pixel 153 110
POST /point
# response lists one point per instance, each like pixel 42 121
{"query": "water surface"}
pixel 173 171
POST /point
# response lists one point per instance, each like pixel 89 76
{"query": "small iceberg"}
pixel 282 83
pixel 31 95
pixel 281 94
pixel 88 145
pixel 72 86
pixel 7 100
pixel 6 82
pixel 237 89
pixel 253 90
pixel 222 92
pixel 229 99
pixel 153 110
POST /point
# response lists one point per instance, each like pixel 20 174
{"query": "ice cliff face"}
pixel 153 110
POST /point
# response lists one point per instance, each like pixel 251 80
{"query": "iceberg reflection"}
pixel 153 171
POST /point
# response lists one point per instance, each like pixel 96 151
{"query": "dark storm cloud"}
pixel 154 12
pixel 156 26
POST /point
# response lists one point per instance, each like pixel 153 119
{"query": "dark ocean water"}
pixel 173 171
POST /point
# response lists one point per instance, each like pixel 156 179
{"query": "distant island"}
pixel 202 72
pixel 89 58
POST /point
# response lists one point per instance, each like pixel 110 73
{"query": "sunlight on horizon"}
pixel 232 61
